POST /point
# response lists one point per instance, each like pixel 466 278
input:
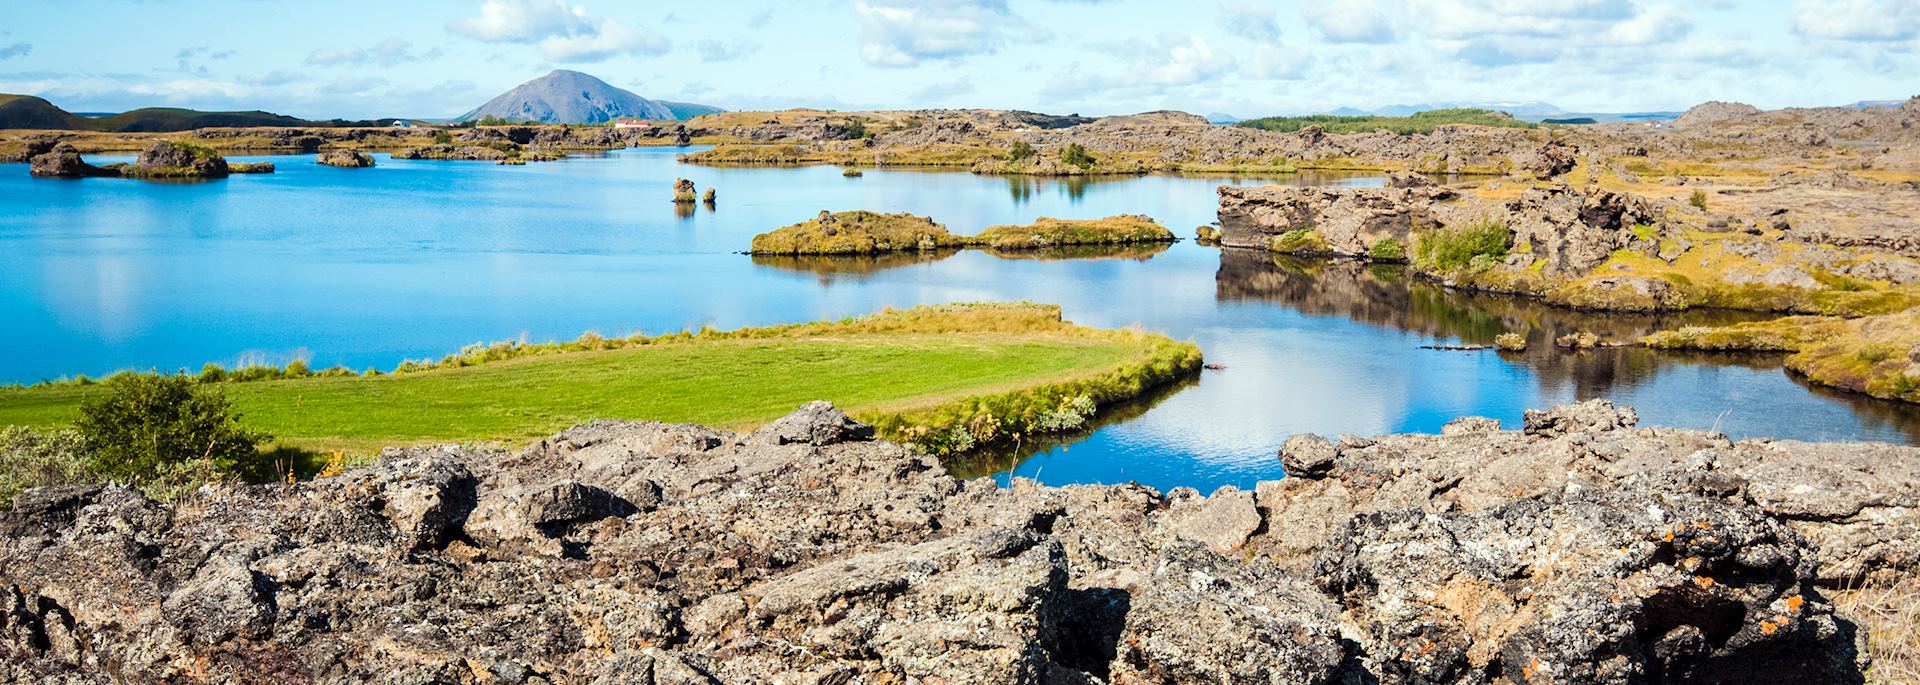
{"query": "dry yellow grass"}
pixel 1888 612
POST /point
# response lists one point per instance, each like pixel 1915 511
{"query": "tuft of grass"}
pixel 1698 199
pixel 1447 250
pixel 1511 342
pixel 1387 250
pixel 1304 241
pixel 914 373
pixel 38 459
pixel 1887 609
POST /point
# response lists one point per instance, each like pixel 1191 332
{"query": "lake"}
pixel 413 259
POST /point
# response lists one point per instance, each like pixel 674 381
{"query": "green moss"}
pixel 1645 232
pixel 1421 122
pixel 1050 232
pixel 858 232
pixel 1451 249
pixel 1299 241
pixel 1387 250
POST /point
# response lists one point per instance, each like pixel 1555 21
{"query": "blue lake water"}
pixel 413 259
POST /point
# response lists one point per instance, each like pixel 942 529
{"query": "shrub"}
pixel 1076 155
pixel 31 459
pixel 212 373
pixel 297 368
pixel 1511 342
pixel 149 427
pixel 1021 150
pixel 1449 249
pixel 1387 250
pixel 442 138
pixel 1698 199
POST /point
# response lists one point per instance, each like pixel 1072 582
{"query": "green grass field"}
pixel 887 365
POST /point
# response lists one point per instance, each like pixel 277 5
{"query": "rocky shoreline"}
pixel 1581 549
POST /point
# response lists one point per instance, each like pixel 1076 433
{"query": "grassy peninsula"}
pixel 1872 355
pixel 947 378
pixel 1416 123
pixel 870 233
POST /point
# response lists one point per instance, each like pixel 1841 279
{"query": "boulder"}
pixel 62 160
pixel 1346 221
pixel 178 160
pixel 346 159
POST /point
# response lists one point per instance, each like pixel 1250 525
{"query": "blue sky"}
pixel 438 58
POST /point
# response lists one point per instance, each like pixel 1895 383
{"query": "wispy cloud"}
pixel 904 33
pixel 386 53
pixel 564 33
pixel 15 50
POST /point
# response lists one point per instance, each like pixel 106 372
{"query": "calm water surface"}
pixel 412 259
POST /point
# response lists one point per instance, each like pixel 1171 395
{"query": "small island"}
pixel 163 160
pixel 867 233
pixel 345 159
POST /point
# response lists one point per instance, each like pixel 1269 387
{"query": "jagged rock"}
pixel 1589 416
pixel 817 423
pixel 62 160
pixel 684 191
pixel 1204 618
pixel 346 159
pixel 807 552
pixel 1586 589
pixel 1552 159
pixel 1574 230
pixel 1222 521
pixel 1715 112
pixel 1347 220
pixel 173 159
pixel 1307 456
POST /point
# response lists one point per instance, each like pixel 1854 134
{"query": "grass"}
pixel 918 374
pixel 1451 249
pixel 870 233
pixel 1866 355
pixel 854 233
pixel 1421 122
pixel 1888 611
pixel 1050 232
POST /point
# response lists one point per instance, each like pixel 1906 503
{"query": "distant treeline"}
pixel 1422 122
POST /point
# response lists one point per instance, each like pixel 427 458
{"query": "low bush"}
pixel 153 428
pixel 1021 151
pixel 1077 155
pixel 1450 249
pixel 1387 250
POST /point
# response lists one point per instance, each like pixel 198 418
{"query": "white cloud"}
pixel 386 53
pixel 1869 20
pixel 1350 21
pixel 565 33
pixel 714 50
pixel 903 33
pixel 1250 20
pixel 1189 60
pixel 1279 62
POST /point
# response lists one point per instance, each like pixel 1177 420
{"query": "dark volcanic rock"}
pixel 172 159
pixel 348 159
pixel 1584 550
pixel 61 160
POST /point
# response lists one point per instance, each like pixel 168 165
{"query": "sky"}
pixel 442 58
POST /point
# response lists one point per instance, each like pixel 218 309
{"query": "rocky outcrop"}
pixel 1715 112
pixel 178 160
pixel 1347 221
pixel 61 160
pixel 346 159
pixel 1582 550
pixel 477 153
pixel 1574 230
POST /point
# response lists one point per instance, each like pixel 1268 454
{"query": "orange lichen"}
pixel 1703 581
pixel 1795 602
pixel 1768 628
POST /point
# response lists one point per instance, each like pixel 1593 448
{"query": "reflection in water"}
pixel 684 210
pixel 1002 459
pixel 830 268
pixel 858 267
pixel 1390 296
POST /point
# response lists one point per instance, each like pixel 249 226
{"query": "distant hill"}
pixel 688 110
pixel 1419 122
pixel 571 97
pixel 1222 118
pixel 27 111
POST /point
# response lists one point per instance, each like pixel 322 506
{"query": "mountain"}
pixel 688 110
pixel 1222 118
pixel 27 111
pixel 570 97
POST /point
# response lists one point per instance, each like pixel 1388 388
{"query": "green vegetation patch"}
pixel 1867 355
pixel 1475 245
pixel 857 232
pixel 1421 122
pixel 1299 241
pixel 1050 232
pixel 914 373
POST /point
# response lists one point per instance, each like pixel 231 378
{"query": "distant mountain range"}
pixel 571 97
pixel 27 111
